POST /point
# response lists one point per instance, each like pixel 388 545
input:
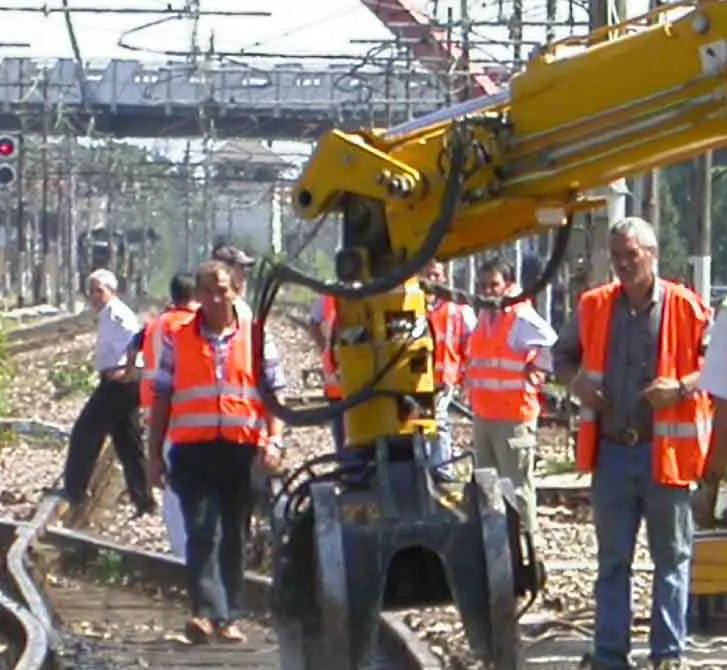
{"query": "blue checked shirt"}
pixel 164 373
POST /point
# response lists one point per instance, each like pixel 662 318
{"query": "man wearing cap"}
pixel 240 264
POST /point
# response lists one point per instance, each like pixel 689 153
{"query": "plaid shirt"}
pixel 164 373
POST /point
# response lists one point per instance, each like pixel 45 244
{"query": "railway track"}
pixel 62 329
pixel 71 600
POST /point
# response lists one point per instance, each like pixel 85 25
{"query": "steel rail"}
pixel 168 571
pixel 24 625
pixel 162 569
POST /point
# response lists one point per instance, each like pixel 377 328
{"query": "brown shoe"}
pixel 231 632
pixel 199 630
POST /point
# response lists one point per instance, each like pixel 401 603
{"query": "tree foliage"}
pixel 676 232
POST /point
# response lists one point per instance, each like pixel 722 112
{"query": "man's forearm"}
pixel 158 425
pixel 717 454
pixel 276 425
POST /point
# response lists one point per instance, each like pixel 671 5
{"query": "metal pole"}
pixel 71 256
pixel 187 212
pixel 701 237
pixel 44 225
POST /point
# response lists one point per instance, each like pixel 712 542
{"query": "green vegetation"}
pixel 556 466
pixel 106 568
pixel 677 229
pixel 7 372
pixel 73 379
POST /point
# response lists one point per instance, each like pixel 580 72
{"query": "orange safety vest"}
pixel 204 408
pixel 681 432
pixel 153 338
pixel 498 386
pixel 331 384
pixel 448 325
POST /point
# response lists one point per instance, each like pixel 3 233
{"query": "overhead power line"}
pixel 169 11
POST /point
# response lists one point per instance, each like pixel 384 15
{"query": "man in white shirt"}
pixel 509 354
pixel 113 408
pixel 714 380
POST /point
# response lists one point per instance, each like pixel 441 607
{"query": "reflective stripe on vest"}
pixel 681 432
pixel 201 392
pixel 495 375
pixel 447 325
pixel 205 408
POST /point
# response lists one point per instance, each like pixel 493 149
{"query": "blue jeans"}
pixel 623 493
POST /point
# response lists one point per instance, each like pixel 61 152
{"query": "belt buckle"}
pixel 630 437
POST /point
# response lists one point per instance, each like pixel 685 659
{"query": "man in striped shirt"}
pixel 213 477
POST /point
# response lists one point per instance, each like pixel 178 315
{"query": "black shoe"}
pixel 589 663
pixel 146 507
pixel 70 497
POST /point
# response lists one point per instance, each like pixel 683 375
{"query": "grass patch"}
pixel 79 379
pixel 556 466
pixel 106 568
pixel 7 372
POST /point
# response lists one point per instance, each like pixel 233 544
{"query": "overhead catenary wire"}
pixel 87 9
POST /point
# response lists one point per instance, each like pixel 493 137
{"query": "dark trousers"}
pixel 213 482
pixel 112 409
pixel 337 430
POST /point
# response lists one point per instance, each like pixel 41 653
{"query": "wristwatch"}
pixel 684 392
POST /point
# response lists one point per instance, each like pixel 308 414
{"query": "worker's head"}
pixel 435 272
pixel 215 289
pixel 101 286
pixel 238 261
pixel 633 246
pixel 495 278
pixel 182 289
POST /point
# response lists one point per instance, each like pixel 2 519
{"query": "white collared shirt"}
pixel 117 324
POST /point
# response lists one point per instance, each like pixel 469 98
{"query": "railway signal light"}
pixel 8 157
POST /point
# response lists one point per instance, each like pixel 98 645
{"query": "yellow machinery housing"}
pixel 377 531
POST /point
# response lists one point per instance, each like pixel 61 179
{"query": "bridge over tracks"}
pixel 128 98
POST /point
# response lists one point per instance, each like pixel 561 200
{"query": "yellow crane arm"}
pixel 569 123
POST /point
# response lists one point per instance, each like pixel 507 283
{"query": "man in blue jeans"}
pixel 632 354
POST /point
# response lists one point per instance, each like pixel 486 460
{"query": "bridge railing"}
pixel 288 86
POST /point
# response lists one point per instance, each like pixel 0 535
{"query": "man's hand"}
pixel 156 471
pixel 534 375
pixel 704 501
pixel 272 456
pixel 662 393
pixel 589 392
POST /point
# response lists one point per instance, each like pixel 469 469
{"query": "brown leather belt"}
pixel 629 437
pixel 106 375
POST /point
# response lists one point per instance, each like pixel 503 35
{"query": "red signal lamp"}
pixel 7 147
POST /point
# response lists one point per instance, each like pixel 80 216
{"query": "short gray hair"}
pixel 640 229
pixel 104 278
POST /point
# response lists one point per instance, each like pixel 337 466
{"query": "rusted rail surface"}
pixel 400 648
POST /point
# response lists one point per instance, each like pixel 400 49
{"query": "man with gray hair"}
pixel 113 408
pixel 632 353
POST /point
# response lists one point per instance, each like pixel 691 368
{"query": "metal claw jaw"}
pixel 395 543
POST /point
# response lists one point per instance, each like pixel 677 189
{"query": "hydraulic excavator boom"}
pixel 375 528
